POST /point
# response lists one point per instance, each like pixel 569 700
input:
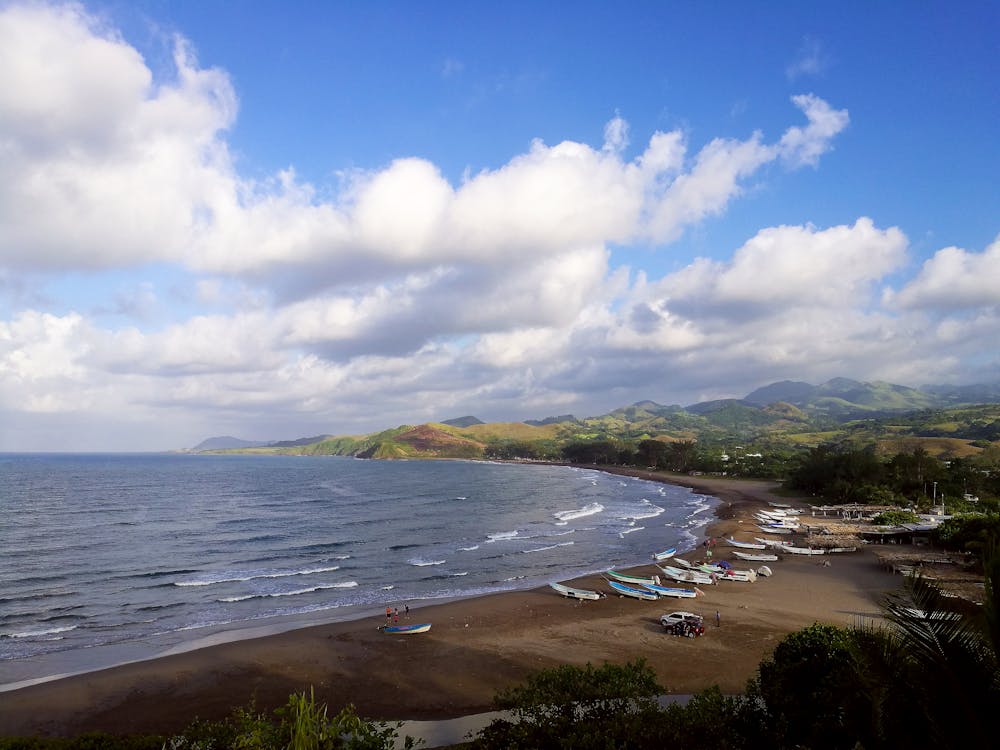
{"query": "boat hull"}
pixel 407 629
pixel 571 593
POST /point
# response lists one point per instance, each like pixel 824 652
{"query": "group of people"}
pixel 392 614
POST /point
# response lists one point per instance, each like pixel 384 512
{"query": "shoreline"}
pixel 109 656
pixel 477 646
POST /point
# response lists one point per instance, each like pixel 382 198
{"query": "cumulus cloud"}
pixel 955 279
pixel 405 295
pixel 138 170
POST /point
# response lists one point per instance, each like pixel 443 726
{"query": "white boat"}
pixel 571 593
pixel 686 576
pixel 756 557
pixel 745 545
pixel 831 550
pixel 801 550
pixel 729 574
pixel 775 529
pixel 665 555
pixel 621 588
pixel 672 591
pixel 633 580
pixel 763 570
pixel 684 563
pixel 772 543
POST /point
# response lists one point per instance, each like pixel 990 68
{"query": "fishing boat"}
pixel 756 557
pixel 686 576
pixel 665 555
pixel 801 550
pixel 771 529
pixel 621 588
pixel 571 593
pixel 406 629
pixel 634 580
pixel 671 591
pixel 772 543
pixel 745 545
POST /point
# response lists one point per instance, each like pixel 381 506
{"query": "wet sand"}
pixel 476 646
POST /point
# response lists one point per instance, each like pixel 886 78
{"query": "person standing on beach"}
pixel 388 615
pixel 718 619
pixel 406 609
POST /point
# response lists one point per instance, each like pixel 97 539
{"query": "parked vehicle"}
pixel 683 624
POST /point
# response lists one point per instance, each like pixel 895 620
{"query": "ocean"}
pixel 112 558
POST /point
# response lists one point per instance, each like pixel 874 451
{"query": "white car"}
pixel 675 620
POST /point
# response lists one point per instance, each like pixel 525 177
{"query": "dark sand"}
pixel 476 646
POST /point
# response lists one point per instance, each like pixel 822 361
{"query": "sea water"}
pixel 112 558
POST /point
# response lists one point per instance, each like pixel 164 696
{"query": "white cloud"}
pixel 955 279
pixel 803 146
pixel 406 295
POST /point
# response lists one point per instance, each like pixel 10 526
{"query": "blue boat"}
pixel 406 629
pixel 621 588
pixel 671 591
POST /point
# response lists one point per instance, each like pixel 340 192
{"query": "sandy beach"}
pixel 476 647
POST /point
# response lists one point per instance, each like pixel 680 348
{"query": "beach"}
pixel 476 646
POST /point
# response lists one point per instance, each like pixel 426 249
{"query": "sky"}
pixel 272 220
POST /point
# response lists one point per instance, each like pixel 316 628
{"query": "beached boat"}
pixel 763 570
pixel 406 629
pixel 831 550
pixel 665 555
pixel 745 545
pixel 728 573
pixel 756 556
pixel 801 550
pixel 771 529
pixel 634 580
pixel 621 588
pixel 772 543
pixel 671 591
pixel 686 576
pixel 571 593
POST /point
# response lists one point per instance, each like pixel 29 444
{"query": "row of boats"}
pixel 651 588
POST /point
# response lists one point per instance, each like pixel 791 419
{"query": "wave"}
pixel 468 549
pixel 551 546
pixel 297 592
pixel 501 536
pixel 38 633
pixel 424 563
pixel 587 510
pixel 459 575
pixel 621 534
pixel 234 578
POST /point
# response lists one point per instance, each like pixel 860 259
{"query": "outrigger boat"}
pixel 665 555
pixel 745 545
pixel 634 580
pixel 758 557
pixel 571 593
pixel 406 629
pixel 621 588
pixel 671 591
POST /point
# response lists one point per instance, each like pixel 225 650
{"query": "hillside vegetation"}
pixel 761 430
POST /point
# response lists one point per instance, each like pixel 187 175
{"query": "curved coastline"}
pixel 478 645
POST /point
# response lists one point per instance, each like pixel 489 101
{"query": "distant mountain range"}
pixel 787 412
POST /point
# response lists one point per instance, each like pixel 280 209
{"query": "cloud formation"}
pixel 405 296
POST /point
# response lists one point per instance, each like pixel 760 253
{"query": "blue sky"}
pixel 272 220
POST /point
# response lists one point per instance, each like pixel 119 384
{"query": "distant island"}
pixel 753 435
